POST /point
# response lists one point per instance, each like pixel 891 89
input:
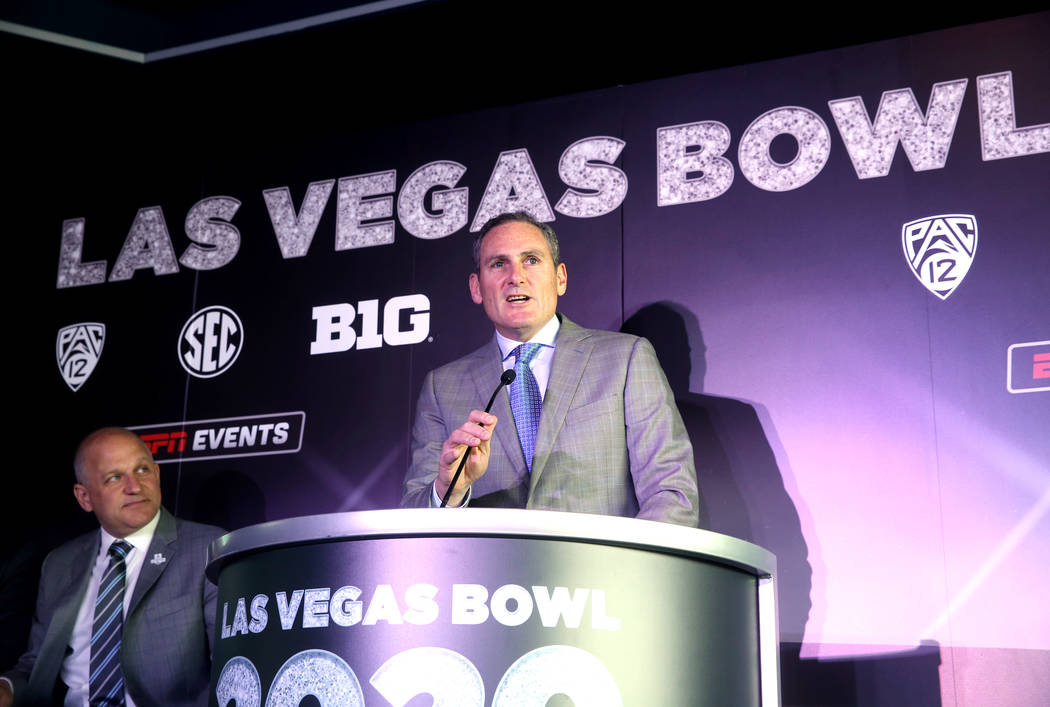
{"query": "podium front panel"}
pixel 484 618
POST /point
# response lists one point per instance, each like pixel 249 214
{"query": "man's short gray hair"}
pixel 515 217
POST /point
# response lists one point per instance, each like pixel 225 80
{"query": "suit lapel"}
pixel 158 557
pixel 571 353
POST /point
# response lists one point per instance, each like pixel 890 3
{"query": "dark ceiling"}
pixel 144 31
pixel 414 59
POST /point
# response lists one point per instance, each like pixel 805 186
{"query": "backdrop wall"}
pixel 841 259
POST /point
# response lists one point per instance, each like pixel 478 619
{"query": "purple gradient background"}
pixel 922 484
pixel 843 416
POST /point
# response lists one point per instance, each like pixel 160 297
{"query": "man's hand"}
pixel 7 695
pixel 472 437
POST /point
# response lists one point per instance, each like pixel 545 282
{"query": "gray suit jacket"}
pixel 168 630
pixel 610 441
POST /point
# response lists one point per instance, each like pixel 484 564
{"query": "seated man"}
pixel 124 614
pixel 594 427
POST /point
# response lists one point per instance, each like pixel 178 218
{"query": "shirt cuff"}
pixel 435 500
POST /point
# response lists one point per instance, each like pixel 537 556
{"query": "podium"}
pixel 491 607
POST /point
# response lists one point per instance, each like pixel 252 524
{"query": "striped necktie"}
pixel 525 400
pixel 107 681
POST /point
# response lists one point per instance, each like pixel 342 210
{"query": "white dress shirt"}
pixel 76 668
pixel 540 365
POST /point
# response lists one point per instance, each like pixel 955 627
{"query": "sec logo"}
pixel 210 341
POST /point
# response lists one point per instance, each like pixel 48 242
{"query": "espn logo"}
pixel 169 442
pixel 1028 367
pixel 198 440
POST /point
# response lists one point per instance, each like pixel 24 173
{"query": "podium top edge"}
pixel 495 523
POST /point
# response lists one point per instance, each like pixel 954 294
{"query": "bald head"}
pixel 102 436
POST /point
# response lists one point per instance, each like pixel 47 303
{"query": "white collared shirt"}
pixel 76 668
pixel 541 364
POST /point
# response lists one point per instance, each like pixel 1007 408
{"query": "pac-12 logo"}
pixel 210 341
pixel 940 250
pixel 77 349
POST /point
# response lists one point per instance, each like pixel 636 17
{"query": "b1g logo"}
pixel 210 341
pixel 77 350
pixel 406 320
pixel 940 250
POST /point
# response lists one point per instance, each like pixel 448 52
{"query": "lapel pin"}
pixel 158 559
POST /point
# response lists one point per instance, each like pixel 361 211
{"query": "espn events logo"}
pixel 406 320
pixel 940 250
pixel 210 341
pixel 226 437
pixel 1028 367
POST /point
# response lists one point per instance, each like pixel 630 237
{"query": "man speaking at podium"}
pixel 589 423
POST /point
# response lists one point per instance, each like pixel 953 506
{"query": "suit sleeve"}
pixel 658 447
pixel 202 537
pixel 45 608
pixel 209 601
pixel 19 674
pixel 429 432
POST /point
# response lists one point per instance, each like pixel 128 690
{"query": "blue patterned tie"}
pixel 107 681
pixel 525 401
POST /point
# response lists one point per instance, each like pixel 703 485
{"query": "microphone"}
pixel 506 379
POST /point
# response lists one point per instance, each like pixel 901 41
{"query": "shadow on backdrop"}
pixel 742 494
pixel 908 678
pixel 741 488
